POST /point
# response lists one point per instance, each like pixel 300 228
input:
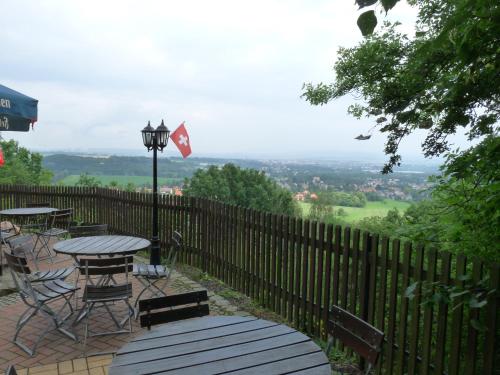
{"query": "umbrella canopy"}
pixel 17 111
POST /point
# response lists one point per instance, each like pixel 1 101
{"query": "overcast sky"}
pixel 233 70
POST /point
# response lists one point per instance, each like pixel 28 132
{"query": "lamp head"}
pixel 148 134
pixel 162 135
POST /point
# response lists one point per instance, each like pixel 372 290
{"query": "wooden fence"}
pixel 299 268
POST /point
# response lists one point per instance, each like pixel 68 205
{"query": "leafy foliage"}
pixel 444 78
pixel 469 292
pixel 88 181
pixel 245 187
pixel 22 167
pixel 463 214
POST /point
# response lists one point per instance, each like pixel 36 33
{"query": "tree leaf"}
pixel 365 3
pixel 477 325
pixel 388 4
pixel 458 294
pixel 475 304
pixel 367 22
pixel 410 291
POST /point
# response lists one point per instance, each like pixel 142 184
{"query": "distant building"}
pixel 299 197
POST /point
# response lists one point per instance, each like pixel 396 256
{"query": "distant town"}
pixel 305 179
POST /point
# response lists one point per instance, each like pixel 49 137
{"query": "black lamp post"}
pixel 155 140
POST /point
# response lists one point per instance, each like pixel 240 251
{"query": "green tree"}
pixel 245 187
pixel 322 208
pixel 22 167
pixel 130 187
pixel 444 78
pixel 88 181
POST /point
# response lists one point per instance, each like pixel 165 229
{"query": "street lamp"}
pixel 155 140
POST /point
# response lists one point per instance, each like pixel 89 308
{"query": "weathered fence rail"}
pixel 299 268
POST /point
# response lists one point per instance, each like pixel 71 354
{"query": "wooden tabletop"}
pixel 101 245
pixel 28 211
pixel 216 344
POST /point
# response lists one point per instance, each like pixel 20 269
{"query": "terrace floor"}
pixel 57 354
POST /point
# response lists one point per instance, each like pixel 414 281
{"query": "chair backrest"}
pixel 20 244
pixel 20 270
pixel 17 263
pixel 363 338
pixel 38 204
pixel 88 230
pixel 174 247
pixel 106 266
pixel 61 218
pixel 194 299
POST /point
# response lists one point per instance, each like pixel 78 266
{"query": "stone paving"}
pixel 57 354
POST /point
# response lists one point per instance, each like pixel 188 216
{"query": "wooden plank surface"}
pixel 215 344
pixel 28 211
pixel 98 245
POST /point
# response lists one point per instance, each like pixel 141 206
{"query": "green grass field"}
pixel 124 180
pixel 371 209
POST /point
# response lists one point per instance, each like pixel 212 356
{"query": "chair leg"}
pixel 86 330
pixel 51 316
pixel 45 245
pixel 148 285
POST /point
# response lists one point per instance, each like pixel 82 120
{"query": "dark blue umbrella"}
pixel 17 111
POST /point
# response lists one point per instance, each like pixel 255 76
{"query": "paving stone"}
pixel 65 367
pixel 43 369
pixel 79 364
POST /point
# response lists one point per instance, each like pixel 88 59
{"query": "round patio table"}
pixel 220 344
pixel 28 211
pixel 101 245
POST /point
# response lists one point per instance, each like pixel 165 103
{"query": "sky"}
pixel 232 70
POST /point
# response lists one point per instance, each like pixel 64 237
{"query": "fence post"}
pixel 365 282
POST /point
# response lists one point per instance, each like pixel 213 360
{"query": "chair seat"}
pixel 107 292
pixel 54 232
pixel 53 289
pixel 60 273
pixel 149 270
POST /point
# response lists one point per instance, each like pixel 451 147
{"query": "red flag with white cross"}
pixel 181 139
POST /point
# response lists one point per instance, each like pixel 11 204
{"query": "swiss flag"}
pixel 2 160
pixel 181 139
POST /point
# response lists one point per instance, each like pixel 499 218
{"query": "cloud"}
pixel 232 70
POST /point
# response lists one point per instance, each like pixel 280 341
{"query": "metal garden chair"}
pixel 4 236
pixel 35 223
pixel 23 245
pixel 37 296
pixel 150 276
pixel 58 227
pixel 192 302
pixel 101 288
pixel 363 338
pixel 88 230
pixel 76 231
